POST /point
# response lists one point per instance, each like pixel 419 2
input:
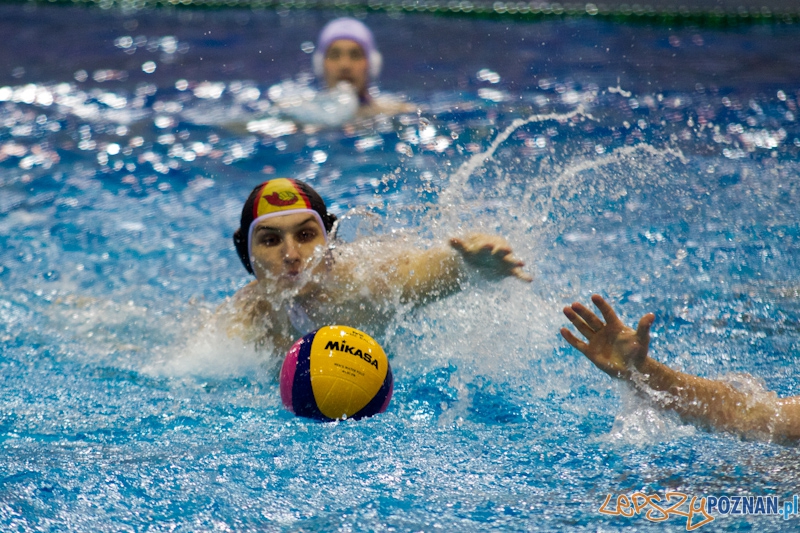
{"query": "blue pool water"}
pixel 655 165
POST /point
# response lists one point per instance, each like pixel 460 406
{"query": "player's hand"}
pixel 491 254
pixel 612 346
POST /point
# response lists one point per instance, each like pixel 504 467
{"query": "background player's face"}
pixel 345 61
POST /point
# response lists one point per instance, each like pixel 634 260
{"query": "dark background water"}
pixel 51 43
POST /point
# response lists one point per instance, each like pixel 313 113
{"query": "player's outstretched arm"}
pixel 422 276
pixel 621 352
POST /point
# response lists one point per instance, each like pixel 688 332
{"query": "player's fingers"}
pixel 643 329
pixel 521 274
pixel 578 322
pixel 501 251
pixel 574 341
pixel 590 318
pixel 605 308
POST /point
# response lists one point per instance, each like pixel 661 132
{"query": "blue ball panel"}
pixel 377 401
pixel 303 401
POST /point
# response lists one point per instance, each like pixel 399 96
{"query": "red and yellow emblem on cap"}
pixel 278 195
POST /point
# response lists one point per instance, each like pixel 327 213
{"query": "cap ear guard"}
pixel 318 63
pixel 330 222
pixel 375 64
pixel 241 249
pixel 334 229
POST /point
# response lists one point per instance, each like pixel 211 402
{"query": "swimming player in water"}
pixel 346 52
pixel 305 279
pixel 347 63
pixel 621 352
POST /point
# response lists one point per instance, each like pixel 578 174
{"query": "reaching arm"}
pixel 425 275
pixel 621 352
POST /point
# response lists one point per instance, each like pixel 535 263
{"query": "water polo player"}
pixel 346 52
pixel 347 63
pixel 303 282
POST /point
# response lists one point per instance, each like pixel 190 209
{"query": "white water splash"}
pixel 454 192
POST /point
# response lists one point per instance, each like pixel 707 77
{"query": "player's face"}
pixel 345 61
pixel 284 247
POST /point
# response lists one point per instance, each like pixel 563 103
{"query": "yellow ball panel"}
pixel 348 369
pixel 337 397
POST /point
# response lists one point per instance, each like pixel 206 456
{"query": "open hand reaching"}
pixel 613 347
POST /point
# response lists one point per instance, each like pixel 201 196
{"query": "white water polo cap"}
pixel 349 29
